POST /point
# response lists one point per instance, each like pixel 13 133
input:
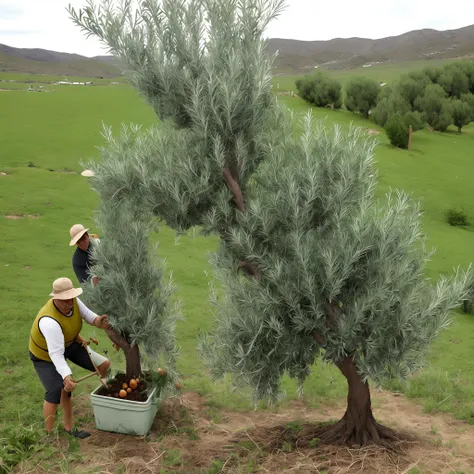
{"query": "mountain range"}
pixel 293 56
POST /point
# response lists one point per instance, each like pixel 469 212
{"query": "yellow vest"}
pixel 71 327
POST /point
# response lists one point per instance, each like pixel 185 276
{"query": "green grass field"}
pixel 46 135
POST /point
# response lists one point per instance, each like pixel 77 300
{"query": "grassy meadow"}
pixel 44 138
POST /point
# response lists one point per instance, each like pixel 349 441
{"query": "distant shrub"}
pixel 457 218
pixel 361 95
pixel 436 108
pixel 462 114
pixel 388 106
pixel 397 131
pixel 31 164
pixel 321 90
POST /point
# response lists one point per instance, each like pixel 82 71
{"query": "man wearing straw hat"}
pixel 53 340
pixel 81 260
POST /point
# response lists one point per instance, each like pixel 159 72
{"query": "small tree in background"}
pixel 321 90
pixel 397 128
pixel 388 106
pixel 410 89
pixel 462 114
pixel 469 100
pixel 435 107
pixel 361 95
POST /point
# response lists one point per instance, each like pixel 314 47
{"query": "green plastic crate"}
pixel 124 416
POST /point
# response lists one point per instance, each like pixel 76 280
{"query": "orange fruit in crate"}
pixel 133 384
pixel 123 393
pixel 129 390
pixel 124 386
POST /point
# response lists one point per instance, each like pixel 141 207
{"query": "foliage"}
pixel 455 217
pixel 193 63
pixel 361 95
pixel 410 89
pixel 321 90
pixel 18 443
pixel 397 128
pixel 435 107
pixel 469 100
pixel 389 105
pixel 329 268
pixel 454 82
pixel 462 114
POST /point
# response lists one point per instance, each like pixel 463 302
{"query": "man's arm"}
pixel 90 317
pixel 54 336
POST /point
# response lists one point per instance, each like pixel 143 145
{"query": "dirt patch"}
pixel 3 174
pixel 372 131
pixel 21 216
pixel 184 438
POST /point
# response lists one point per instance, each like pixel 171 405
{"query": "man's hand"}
pixel 102 322
pixel 82 341
pixel 69 384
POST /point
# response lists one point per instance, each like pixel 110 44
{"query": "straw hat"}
pixel 88 173
pixel 63 289
pixel 76 232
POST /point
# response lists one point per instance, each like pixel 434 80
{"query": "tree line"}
pixel 434 97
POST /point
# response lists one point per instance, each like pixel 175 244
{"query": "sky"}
pixel 45 23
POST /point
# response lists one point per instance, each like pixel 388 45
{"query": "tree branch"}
pixel 118 339
pixel 251 270
pixel 235 189
pixel 332 311
pixel 318 338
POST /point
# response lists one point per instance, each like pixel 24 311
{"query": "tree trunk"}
pixel 358 425
pixel 132 353
pixel 132 360
pixel 459 129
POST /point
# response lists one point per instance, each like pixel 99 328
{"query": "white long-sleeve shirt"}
pixel 54 336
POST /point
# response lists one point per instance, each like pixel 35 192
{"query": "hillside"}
pixel 293 56
pixel 299 56
pixel 41 61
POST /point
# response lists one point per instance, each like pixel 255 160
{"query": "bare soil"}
pixel 190 436
pixel 21 216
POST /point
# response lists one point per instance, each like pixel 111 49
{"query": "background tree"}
pixel 388 105
pixel 462 114
pixel 233 167
pixel 397 128
pixel 435 107
pixel 321 90
pixel 410 89
pixel 469 100
pixel 454 81
pixel 361 95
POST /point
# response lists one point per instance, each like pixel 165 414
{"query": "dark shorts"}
pixel 49 376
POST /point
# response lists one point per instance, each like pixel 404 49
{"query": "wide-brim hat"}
pixel 76 232
pixel 63 289
pixel 88 173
